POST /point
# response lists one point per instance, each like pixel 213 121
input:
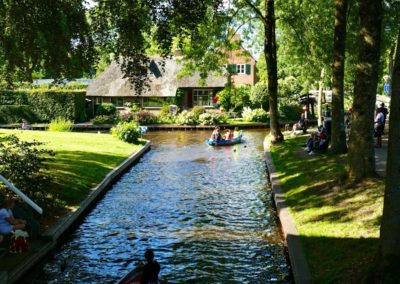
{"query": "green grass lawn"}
pixel 82 160
pixel 338 221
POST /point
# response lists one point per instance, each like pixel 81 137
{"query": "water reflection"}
pixel 205 211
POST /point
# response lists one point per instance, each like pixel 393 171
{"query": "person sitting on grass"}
pixel 322 141
pixel 8 223
pixel 310 144
pixel 300 125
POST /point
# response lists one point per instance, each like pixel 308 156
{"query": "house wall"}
pixel 240 57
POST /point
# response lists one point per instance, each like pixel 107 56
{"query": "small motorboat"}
pixel 133 277
pixel 232 141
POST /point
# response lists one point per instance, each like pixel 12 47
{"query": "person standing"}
pixel 385 112
pixel 379 122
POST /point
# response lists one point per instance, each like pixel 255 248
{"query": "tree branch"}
pixel 256 10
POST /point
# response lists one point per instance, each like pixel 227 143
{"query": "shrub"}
pixel 291 112
pixel 145 117
pixel 127 131
pixel 102 119
pixel 212 118
pixel 15 114
pixel 186 118
pixel 197 111
pixel 259 95
pixel 235 98
pixel 106 109
pixel 256 115
pixel 125 116
pixel 165 116
pixel 61 125
pixel 23 164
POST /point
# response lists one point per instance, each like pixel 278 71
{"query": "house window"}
pixel 158 101
pixel 117 101
pixel 241 68
pixel 203 97
pixel 99 100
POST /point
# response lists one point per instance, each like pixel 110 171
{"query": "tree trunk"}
pixel 338 139
pixel 320 94
pixel 272 69
pixel 390 228
pixel 361 160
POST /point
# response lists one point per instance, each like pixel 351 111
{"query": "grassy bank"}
pixel 338 221
pixel 82 160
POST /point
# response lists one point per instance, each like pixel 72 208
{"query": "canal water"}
pixel 205 211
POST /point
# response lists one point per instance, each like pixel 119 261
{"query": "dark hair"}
pixel 149 255
pixel 382 104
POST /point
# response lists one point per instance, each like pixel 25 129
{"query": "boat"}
pixel 232 141
pixel 133 277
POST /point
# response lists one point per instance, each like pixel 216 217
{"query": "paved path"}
pixel 381 156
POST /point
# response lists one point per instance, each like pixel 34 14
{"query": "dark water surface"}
pixel 205 211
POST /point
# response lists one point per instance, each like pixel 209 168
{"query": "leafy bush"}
pixel 234 98
pixel 255 115
pixel 145 117
pixel 127 131
pixel 197 111
pixel 23 164
pixel 165 116
pixel 15 114
pixel 291 112
pixel 106 109
pixel 102 119
pixel 212 118
pixel 125 116
pixel 61 125
pixel 259 95
pixel 186 118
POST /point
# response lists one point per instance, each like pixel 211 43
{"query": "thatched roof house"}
pixel 111 87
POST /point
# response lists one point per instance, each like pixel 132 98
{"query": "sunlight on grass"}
pixel 336 220
pixel 82 159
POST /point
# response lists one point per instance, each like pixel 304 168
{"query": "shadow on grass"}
pixel 340 260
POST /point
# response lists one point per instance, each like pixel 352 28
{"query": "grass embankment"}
pixel 82 160
pixel 338 221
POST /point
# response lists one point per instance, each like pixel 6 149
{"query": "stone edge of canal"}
pixel 297 259
pixel 66 225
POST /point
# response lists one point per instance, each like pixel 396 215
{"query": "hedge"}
pixel 15 113
pixel 47 104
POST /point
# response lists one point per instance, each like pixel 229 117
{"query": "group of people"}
pixel 216 134
pixel 317 141
pixel 379 126
pixel 8 223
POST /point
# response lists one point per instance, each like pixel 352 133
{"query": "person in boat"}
pixel 216 135
pixel 228 134
pixel 150 269
pixel 236 132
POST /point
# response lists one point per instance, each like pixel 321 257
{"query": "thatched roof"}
pixel 163 82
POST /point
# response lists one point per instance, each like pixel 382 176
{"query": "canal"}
pixel 206 212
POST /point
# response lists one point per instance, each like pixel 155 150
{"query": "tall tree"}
pixel 339 46
pixel 267 17
pixel 389 265
pixel 361 160
pixel 42 34
pixel 272 69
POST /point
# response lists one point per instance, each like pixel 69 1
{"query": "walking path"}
pixel 381 156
